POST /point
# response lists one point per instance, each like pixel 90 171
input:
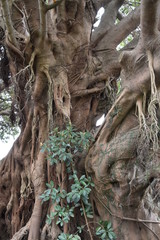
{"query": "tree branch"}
pixel 99 78
pixel 8 23
pixel 116 114
pixel 100 3
pixel 5 112
pixel 42 14
pixel 83 92
pixel 149 17
pixel 121 30
pixel 2 87
pixel 107 21
pixel 119 16
pixel 85 216
pixel 53 5
pixel 151 230
pixel 122 217
pixel 127 25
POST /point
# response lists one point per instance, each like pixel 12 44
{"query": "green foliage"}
pixel 52 193
pixel 64 236
pixel 128 39
pixel 62 145
pixel 80 190
pixel 105 231
pixel 61 148
pixel 129 6
pixel 124 10
pixel 119 86
pixel 62 214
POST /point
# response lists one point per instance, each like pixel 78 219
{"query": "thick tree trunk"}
pixel 60 70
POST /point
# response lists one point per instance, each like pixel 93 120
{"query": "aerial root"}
pixel 144 132
pixel 154 101
pixel 44 232
pixel 32 76
pixel 148 131
pixel 50 98
pixel 10 204
pixel 34 127
pixel 22 232
pixel 141 116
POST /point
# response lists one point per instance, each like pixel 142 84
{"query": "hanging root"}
pixel 141 116
pixel 154 101
pixel 34 127
pixel 29 83
pixel 50 98
pixel 144 138
pixel 148 131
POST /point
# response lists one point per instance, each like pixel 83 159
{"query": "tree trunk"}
pixel 61 72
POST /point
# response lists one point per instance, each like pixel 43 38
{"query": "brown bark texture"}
pixel 63 70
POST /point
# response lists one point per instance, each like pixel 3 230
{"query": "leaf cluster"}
pixel 61 148
pixel 64 236
pixel 62 145
pixel 79 194
pixel 105 231
pixel 129 6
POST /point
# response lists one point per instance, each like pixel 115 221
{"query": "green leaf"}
pixel 66 219
pixel 62 236
pixel 103 236
pixel 111 235
pixel 89 215
pixel 49 221
pixel 76 197
pixel 109 225
pixel 98 229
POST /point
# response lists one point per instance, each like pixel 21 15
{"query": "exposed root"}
pixel 50 231
pixel 44 232
pixel 22 232
pixel 13 48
